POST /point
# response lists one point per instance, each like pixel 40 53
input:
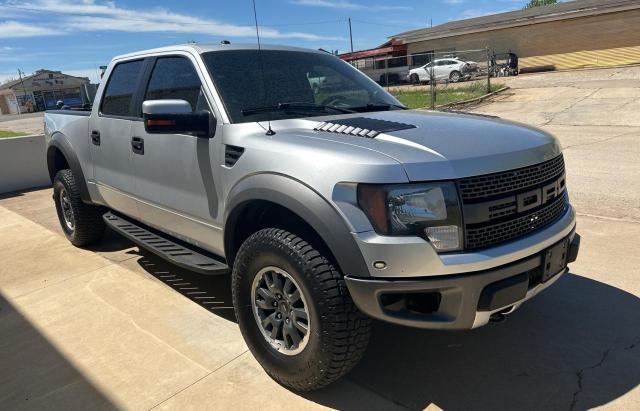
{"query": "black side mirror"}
pixel 177 117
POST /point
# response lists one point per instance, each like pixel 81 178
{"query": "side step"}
pixel 162 246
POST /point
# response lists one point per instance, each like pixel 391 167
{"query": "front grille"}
pixel 489 235
pixel 491 185
pixel 503 206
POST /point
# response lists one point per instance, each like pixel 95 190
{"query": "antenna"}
pixel 270 132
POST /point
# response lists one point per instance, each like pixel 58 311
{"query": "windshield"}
pixel 295 84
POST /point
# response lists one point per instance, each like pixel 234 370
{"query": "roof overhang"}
pixel 434 33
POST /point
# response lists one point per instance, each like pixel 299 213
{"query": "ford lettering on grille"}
pixel 503 206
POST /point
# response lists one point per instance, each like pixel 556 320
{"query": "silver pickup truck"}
pixel 327 207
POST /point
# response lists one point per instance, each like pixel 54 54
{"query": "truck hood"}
pixel 435 145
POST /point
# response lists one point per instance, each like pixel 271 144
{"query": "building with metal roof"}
pixel 582 33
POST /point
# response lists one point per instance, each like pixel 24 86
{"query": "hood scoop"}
pixel 361 126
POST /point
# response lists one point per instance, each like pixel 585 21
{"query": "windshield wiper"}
pixel 295 106
pixel 377 106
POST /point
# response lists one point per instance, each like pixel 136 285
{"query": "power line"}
pixel 307 23
pixel 383 24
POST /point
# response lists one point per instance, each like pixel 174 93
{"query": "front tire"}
pixel 415 79
pixel 455 76
pixel 277 272
pixel 81 223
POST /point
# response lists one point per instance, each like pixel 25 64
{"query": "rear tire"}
pixel 336 332
pixel 81 223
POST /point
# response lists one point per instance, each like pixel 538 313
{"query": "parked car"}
pixel 326 209
pixel 447 69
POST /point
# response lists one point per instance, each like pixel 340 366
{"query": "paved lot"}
pixel 30 123
pixel 114 327
pixel 594 113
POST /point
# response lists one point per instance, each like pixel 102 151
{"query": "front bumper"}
pixel 459 301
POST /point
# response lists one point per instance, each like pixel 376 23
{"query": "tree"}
pixel 537 3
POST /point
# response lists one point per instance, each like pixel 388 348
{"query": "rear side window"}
pixel 174 78
pixel 121 88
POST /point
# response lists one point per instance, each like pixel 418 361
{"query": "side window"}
pixel 121 88
pixel 174 78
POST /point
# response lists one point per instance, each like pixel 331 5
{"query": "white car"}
pixel 448 69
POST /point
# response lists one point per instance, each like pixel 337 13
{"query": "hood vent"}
pixel 232 155
pixel 361 126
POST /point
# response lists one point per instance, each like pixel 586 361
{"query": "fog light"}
pixel 380 265
pixel 445 237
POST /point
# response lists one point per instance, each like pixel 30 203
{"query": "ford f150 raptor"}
pixel 328 207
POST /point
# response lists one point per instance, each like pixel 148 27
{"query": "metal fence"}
pixel 436 78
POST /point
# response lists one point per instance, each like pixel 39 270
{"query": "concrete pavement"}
pixel 111 328
pixel 594 114
pixel 29 123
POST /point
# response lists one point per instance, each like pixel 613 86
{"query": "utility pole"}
pixel 350 35
pixel 24 90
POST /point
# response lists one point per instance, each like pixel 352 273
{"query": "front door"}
pixel 441 70
pixel 110 135
pixel 177 178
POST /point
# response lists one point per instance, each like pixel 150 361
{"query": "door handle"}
pixel 95 137
pixel 137 145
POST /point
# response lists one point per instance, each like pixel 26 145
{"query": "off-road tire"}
pixel 338 334
pixel 89 226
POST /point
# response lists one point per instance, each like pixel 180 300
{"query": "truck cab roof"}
pixel 209 47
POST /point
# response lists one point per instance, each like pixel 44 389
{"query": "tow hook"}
pixel 497 317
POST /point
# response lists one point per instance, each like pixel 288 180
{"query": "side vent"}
pixel 232 154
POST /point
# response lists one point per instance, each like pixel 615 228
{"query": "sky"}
pixel 79 36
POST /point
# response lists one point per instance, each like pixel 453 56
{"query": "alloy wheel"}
pixel 280 310
pixel 67 210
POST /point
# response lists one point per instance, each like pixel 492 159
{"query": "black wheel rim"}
pixel 280 310
pixel 67 210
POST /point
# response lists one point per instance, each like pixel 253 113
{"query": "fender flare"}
pixel 60 142
pixel 308 205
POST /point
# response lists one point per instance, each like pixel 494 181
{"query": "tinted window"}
pixel 174 78
pixel 120 89
pixel 289 77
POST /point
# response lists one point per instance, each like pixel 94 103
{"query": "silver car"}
pixel 327 202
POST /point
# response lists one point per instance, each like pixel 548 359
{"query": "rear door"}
pixel 110 129
pixel 177 175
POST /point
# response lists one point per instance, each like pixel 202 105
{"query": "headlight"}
pixel 429 210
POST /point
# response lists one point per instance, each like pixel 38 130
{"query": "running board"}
pixel 162 246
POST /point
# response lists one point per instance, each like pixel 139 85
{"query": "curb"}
pixel 473 100
pixel 26 135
